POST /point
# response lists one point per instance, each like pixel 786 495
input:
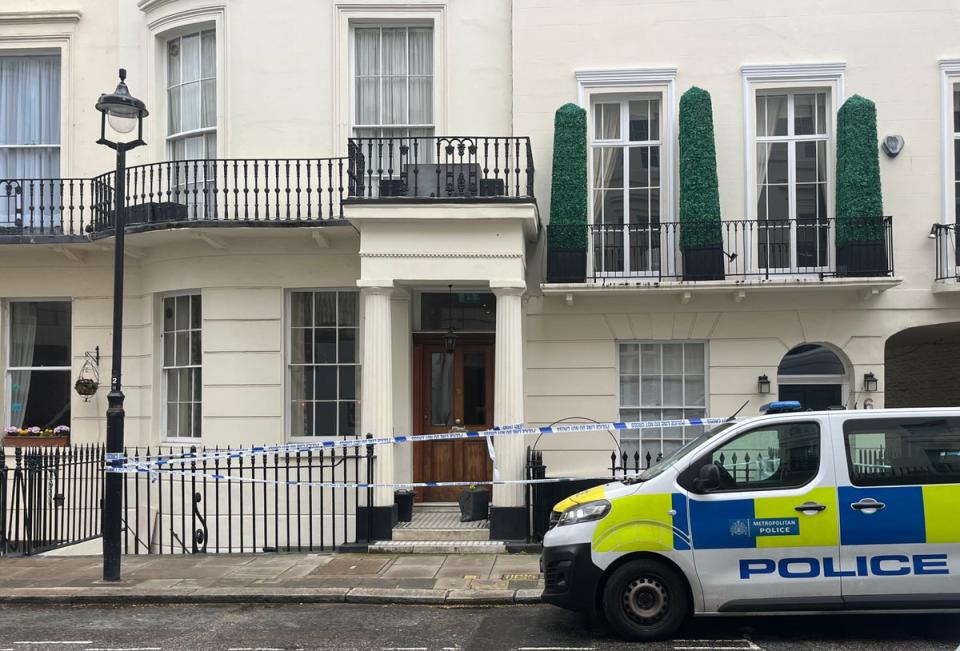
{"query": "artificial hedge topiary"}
pixel 568 191
pixel 858 173
pixel 699 192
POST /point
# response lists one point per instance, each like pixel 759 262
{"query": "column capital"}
pixel 376 287
pixel 508 290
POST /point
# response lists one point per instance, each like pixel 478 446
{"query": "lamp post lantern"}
pixel 123 113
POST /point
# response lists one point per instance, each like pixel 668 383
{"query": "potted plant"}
pixel 861 242
pixel 567 231
pixel 30 437
pixel 701 239
pixel 474 504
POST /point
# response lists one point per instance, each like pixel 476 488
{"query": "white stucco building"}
pixel 329 188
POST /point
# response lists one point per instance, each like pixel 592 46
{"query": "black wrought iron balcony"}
pixel 947 251
pixel 741 249
pixel 441 168
pixel 244 192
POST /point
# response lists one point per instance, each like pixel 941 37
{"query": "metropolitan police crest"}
pixel 739 527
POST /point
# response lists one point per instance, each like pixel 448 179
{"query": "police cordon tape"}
pixel 120 462
pixel 198 474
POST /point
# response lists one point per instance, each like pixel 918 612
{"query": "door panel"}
pixel 899 490
pixel 813 397
pixel 454 392
pixel 755 546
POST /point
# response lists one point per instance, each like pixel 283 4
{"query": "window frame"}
pixel 794 77
pixel 691 472
pixel 949 260
pixel 170 139
pixel 5 353
pixel 665 236
pixel 288 365
pixel 163 368
pixel 59 147
pixel 620 408
pixel 858 482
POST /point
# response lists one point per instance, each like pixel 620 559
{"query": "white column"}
pixel 508 392
pixel 376 381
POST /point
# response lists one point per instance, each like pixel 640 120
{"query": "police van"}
pixel 792 511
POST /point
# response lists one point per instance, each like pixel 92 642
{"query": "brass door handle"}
pixel 457 421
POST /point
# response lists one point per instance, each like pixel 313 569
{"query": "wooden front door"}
pixel 454 391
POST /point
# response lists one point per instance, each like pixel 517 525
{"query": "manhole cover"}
pixel 521 577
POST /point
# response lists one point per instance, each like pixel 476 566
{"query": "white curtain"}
pixel 23 336
pixel 29 122
pixel 394 76
pixel 770 110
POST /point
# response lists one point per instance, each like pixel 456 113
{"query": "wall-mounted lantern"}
pixel 763 385
pixel 870 382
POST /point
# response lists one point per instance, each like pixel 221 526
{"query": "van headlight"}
pixel 586 512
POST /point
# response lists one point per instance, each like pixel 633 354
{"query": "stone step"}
pixel 436 507
pixel 437 547
pixel 441 534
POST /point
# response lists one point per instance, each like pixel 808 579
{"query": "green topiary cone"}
pixel 699 191
pixel 858 173
pixel 568 192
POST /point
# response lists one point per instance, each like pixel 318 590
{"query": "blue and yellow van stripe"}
pixel 660 522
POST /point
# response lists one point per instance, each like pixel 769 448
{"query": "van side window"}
pixel 903 451
pixel 781 455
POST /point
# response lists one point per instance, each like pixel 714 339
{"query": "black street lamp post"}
pixel 124 113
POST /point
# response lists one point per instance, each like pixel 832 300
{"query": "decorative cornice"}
pixel 624 76
pixel 793 71
pixel 45 17
pixel 950 66
pixel 426 254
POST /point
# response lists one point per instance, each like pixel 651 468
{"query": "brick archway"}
pixel 920 367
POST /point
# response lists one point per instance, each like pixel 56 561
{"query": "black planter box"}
pixel 155 213
pixel 703 263
pixel 392 188
pixel 474 505
pixel 492 188
pixel 566 265
pixel 868 258
pixel 404 500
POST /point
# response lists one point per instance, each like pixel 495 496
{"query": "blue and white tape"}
pixel 164 460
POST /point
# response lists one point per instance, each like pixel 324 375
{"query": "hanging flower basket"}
pixel 35 437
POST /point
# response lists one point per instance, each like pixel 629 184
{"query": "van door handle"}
pixel 867 505
pixel 810 506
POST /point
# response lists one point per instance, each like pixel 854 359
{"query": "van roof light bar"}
pixel 781 407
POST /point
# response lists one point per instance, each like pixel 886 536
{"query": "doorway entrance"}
pixel 813 397
pixel 813 375
pixel 452 391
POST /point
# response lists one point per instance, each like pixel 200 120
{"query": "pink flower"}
pixel 12 430
pixel 61 429
pixel 33 430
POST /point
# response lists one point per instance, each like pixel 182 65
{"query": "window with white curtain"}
pixel 192 96
pixel 29 121
pixel 393 81
pixel 661 381
pixel 626 184
pixel 793 133
pixel 38 364
pixel 956 152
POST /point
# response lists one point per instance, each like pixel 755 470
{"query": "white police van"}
pixel 791 511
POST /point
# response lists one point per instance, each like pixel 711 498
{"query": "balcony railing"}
pixel 473 168
pixel 741 249
pixel 212 192
pixel 947 251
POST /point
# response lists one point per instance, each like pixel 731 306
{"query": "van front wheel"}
pixel 645 600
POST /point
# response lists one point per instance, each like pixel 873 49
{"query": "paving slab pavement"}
pixel 476 579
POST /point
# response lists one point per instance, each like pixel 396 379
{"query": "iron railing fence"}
pixel 49 497
pixel 52 207
pixel 736 249
pixel 441 167
pixel 947 252
pixel 248 191
pixel 244 503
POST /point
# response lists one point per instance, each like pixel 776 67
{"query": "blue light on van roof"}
pixel 780 407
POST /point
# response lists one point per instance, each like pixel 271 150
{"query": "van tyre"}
pixel 645 600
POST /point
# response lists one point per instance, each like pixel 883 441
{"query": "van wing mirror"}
pixel 709 478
